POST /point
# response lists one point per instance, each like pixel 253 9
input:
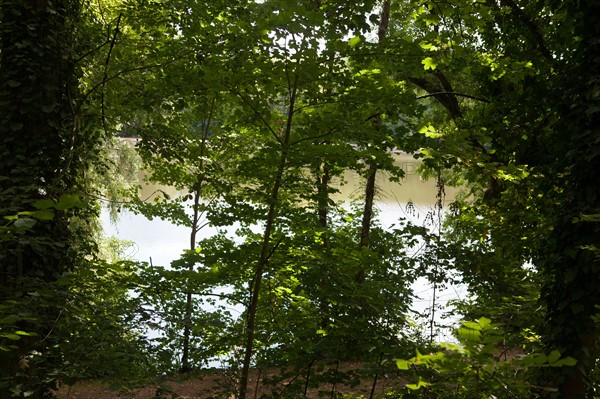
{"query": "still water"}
pixel 160 242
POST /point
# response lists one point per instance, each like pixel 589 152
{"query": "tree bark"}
pixel 323 211
pixel 187 318
pixel 365 231
pixel 266 245
pixel 568 260
pixel 38 137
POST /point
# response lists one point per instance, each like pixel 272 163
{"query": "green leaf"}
pixel 567 361
pixel 484 322
pixel 419 385
pixel 25 223
pixel 539 359
pixel 402 364
pixel 469 334
pixel 429 63
pixel 43 204
pixel 12 337
pixel 429 131
pixel 43 214
pixel 472 325
pixel 68 201
pixel 553 356
pixel 354 41
pixel 428 46
pixel 25 333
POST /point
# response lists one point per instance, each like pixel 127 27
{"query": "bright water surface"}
pixel 163 242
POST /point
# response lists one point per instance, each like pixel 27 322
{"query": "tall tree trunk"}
pixel 570 260
pixel 323 195
pixel 189 304
pixel 265 251
pixel 38 135
pixel 365 231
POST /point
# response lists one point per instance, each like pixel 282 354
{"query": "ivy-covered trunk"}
pixel 36 126
pixel 38 135
pixel 571 258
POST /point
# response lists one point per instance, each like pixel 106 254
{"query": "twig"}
pixel 53 325
pixel 331 130
pixel 453 94
pixel 106 63
pixel 260 116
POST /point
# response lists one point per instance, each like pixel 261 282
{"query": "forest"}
pixel 255 111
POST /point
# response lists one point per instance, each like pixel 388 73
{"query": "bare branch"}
pixel 106 63
pixel 331 130
pixel 260 116
pixel 453 93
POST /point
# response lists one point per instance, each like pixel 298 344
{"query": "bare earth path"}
pixel 219 384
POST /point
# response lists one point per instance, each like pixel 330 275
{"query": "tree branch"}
pixel 260 116
pixel 330 131
pixel 106 63
pixel 447 100
pixel 531 25
pixel 454 94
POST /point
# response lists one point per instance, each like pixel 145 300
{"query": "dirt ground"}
pixel 221 385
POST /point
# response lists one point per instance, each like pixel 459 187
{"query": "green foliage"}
pixel 253 111
pixel 95 329
pixel 480 365
pixel 161 292
pixel 102 327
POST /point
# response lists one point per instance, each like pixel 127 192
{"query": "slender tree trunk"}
pixel 323 195
pixel 323 179
pixel 308 372
pixel 323 210
pixel 265 252
pixel 365 231
pixel 376 377
pixel 187 318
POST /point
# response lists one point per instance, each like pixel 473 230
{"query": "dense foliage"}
pixel 255 111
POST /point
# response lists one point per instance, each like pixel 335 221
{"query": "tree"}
pixel 55 293
pixel 256 109
pixel 508 138
pixel 568 258
pixel 43 156
pixel 284 109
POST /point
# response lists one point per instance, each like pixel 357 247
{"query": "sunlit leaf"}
pixel 419 385
pixel 353 42
pixel 402 364
pixel 429 63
